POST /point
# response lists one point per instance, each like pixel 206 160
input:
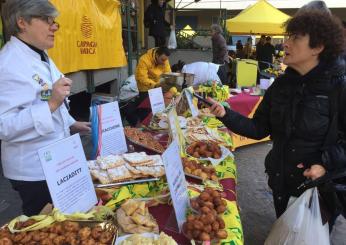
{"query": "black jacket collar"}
pixel 43 55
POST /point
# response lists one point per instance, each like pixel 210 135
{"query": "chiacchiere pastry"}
pixel 118 174
pixel 93 165
pixel 136 158
pixel 101 175
pixel 130 166
pixel 110 161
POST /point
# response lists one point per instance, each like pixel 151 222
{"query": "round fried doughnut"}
pixel 96 232
pixel 106 237
pixel 71 226
pixel 5 241
pixel 84 233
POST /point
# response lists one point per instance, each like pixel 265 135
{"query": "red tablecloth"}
pixel 145 105
pixel 243 103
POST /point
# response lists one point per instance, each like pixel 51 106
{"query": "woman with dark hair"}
pixel 299 110
pixel 154 19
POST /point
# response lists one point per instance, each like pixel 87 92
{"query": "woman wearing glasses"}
pixel 32 95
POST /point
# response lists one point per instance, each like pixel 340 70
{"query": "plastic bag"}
pixel 301 224
pixel 128 89
pixel 172 41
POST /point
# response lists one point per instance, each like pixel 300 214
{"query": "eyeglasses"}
pixel 48 19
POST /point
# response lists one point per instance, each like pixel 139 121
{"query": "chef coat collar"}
pixel 43 55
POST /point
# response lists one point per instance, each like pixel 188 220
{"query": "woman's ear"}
pixel 21 23
pixel 317 50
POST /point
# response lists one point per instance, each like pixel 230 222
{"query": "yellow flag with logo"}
pixel 89 36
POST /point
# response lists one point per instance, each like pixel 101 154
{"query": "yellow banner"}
pixel 89 36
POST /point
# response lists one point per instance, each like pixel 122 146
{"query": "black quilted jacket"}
pixel 295 112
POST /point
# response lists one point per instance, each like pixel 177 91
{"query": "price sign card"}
pixel 156 100
pixel 194 110
pixel 175 129
pixel 176 182
pixel 112 135
pixel 67 174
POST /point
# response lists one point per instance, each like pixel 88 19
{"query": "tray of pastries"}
pixel 144 139
pixel 128 168
pixel 200 171
pixel 133 217
pixel 60 233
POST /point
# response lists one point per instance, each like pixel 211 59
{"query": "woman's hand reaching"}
pixel 216 109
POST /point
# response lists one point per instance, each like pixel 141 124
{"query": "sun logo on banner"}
pixel 86 27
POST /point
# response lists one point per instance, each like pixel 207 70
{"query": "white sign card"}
pixel 175 129
pixel 112 136
pixel 176 182
pixel 156 100
pixel 194 110
pixel 67 174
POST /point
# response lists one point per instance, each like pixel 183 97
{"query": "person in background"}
pixel 231 55
pixel 232 69
pixel 33 93
pixel 267 54
pixel 220 52
pixel 151 66
pixel 203 71
pixel 248 48
pixel 296 111
pixel 239 50
pixel 154 19
pixel 219 46
pixel 259 46
pixel 280 46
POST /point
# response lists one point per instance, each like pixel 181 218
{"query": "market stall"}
pixel 170 183
pixel 260 18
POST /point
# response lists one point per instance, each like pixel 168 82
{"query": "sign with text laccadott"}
pixel 67 175
pixel 112 138
pixel 156 100
pixel 176 182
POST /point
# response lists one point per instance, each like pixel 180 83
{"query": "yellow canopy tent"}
pixel 260 18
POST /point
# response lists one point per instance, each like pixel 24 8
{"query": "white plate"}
pixel 164 124
pixel 122 238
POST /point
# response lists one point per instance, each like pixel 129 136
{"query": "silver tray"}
pixel 130 182
pixel 145 146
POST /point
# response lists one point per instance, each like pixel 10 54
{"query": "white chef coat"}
pixel 203 71
pixel 26 122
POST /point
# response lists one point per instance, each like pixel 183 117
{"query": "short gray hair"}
pixel 315 5
pixel 217 28
pixel 12 10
